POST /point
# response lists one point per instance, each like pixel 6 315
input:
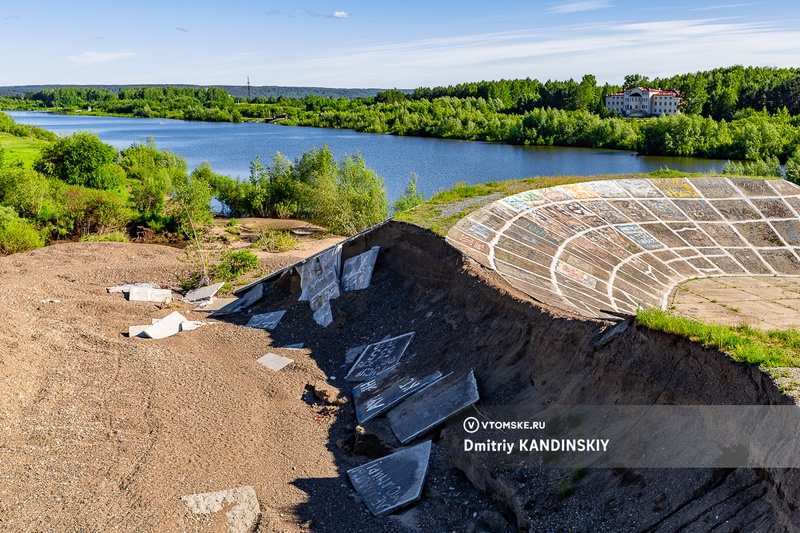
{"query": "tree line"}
pixel 740 113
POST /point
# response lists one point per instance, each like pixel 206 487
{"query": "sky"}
pixel 377 44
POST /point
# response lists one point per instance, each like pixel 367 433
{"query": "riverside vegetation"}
pixel 738 113
pixel 78 187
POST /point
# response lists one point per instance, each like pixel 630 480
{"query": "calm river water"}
pixel 439 163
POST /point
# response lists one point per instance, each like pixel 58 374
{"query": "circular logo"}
pixel 471 424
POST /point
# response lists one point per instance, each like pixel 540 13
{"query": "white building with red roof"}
pixel 640 102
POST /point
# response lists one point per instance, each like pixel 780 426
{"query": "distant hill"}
pixel 233 90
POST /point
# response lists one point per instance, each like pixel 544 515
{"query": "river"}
pixel 439 163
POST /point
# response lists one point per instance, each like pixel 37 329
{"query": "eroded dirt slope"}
pixel 102 432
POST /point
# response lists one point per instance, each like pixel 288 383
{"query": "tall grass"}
pixel 773 348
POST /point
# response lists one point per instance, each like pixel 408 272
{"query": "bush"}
pixel 793 167
pixel 345 198
pixel 16 234
pixel 81 159
pixel 411 197
pixel 760 167
pixel 83 211
pixel 275 241
pixel 190 203
pixel 233 264
pixel 27 191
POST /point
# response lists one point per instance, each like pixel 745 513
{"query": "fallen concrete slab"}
pixel 267 321
pixel 166 327
pixel 147 294
pixel 378 357
pixel 274 361
pixel 128 286
pixel 251 297
pixel 203 293
pixel 432 406
pixel 394 481
pixel 214 304
pixel 378 395
pixel 242 517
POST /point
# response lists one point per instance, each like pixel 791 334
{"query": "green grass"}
pixel 114 236
pixel 769 349
pixel 21 149
pixel 272 240
pixel 445 208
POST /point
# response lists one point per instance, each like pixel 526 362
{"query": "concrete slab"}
pixel 166 327
pixel 242 516
pixel 274 361
pixel 267 321
pixel 432 406
pixel 324 315
pixel 148 294
pixel 203 293
pixel 215 304
pixel 128 286
pixel 394 481
pixel 240 304
pixel 378 395
pixel 378 357
pixel 357 271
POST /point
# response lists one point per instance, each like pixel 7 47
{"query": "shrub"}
pixel 275 241
pixel 80 159
pixel 411 197
pixel 234 263
pixel 793 167
pixel 83 211
pixel 17 234
pixel 760 167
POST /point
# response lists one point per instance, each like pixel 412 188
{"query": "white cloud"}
pixel 341 14
pixel 576 7
pixel 92 58
pixel 721 6
pixel 652 48
pixel 184 30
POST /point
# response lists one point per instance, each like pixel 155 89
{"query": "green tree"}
pixel 793 166
pixel 80 159
pixel 411 197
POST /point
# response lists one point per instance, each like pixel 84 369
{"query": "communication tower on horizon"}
pixel 248 87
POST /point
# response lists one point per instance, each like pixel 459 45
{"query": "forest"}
pixel 737 113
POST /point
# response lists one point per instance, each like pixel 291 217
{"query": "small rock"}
pixel 327 394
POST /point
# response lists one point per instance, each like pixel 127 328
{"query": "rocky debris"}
pixel 327 394
pixel 242 516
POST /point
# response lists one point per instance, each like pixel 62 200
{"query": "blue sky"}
pixel 406 44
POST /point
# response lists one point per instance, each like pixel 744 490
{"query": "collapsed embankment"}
pixel 99 431
pixel 466 317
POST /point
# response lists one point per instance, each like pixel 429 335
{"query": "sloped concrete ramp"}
pixel 614 245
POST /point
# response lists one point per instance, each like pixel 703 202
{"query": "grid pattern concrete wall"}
pixel 619 244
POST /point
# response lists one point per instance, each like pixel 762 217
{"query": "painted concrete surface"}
pixel 615 245
pixel 768 302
